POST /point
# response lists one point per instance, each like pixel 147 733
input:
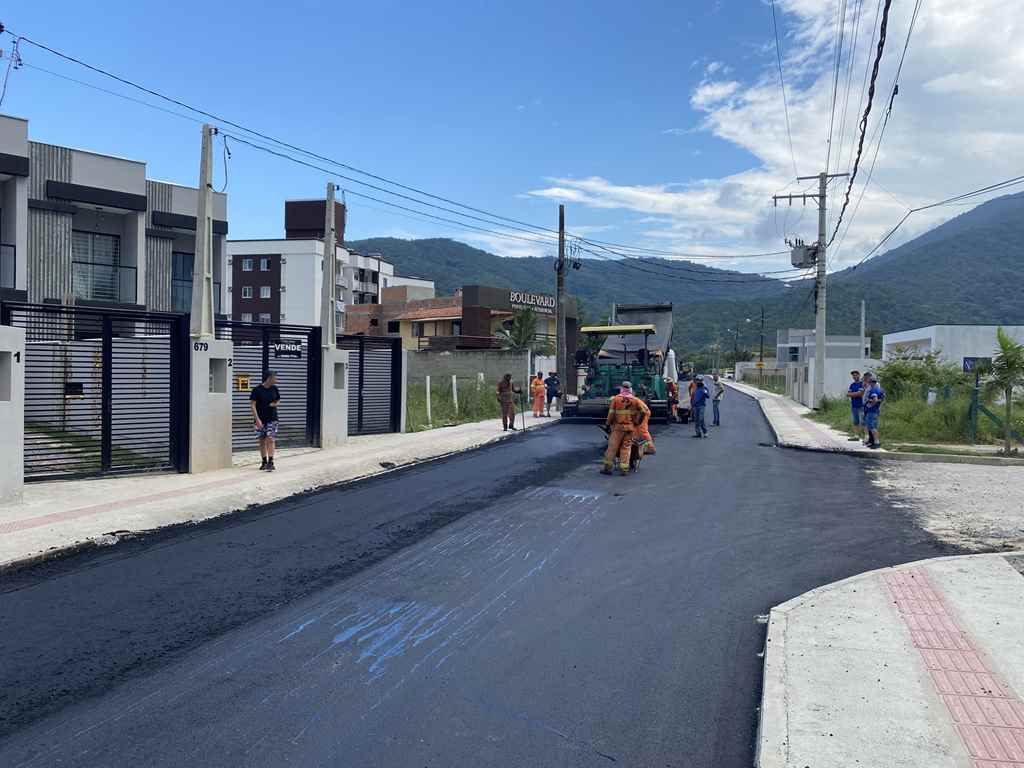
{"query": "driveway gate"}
pixel 106 391
pixel 291 351
pixel 374 383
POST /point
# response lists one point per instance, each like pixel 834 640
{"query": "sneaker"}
pixel 698 436
pixel 270 465
pixel 263 463
pixel 605 471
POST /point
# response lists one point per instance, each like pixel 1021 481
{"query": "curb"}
pixel 103 540
pixel 773 675
pixel 921 458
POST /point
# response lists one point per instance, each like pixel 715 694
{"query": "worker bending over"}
pixel 625 414
pixel 643 431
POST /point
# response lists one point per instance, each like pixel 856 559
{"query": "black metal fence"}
pixel 106 391
pixel 294 353
pixel 374 383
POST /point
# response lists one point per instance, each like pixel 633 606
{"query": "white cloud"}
pixel 954 126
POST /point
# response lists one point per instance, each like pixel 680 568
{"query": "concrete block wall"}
pixel 466 364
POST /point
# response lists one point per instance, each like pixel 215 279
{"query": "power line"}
pixel 677 254
pixel 782 85
pixel 851 59
pixel 998 186
pixel 864 120
pixel 880 132
pixel 533 229
pixel 266 137
pixel 837 66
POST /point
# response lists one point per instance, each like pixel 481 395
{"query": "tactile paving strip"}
pixel 986 713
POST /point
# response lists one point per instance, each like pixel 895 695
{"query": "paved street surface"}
pixel 507 607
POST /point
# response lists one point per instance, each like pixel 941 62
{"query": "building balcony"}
pixel 452 343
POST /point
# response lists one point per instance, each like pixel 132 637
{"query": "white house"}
pixel 951 342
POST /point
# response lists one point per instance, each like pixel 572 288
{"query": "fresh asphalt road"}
pixel 506 607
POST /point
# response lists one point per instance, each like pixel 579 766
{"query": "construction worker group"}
pixel 628 424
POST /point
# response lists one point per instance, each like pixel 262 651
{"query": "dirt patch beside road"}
pixel 977 507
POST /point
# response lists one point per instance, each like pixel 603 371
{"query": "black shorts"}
pixel 552 396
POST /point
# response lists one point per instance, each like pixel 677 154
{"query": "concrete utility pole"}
pixel 820 263
pixel 560 341
pixel 328 324
pixel 201 318
pixel 863 315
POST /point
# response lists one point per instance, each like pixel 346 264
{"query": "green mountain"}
pixel 599 282
pixel 966 270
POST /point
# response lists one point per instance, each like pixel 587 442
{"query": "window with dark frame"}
pixel 247 317
pixel 247 265
pixel 264 264
pixel 394 326
pixel 264 291
pixel 246 291
pixel 96 271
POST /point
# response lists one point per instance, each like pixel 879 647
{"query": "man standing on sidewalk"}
pixel 263 401
pixel 698 401
pixel 507 392
pixel 872 410
pixel 716 400
pixel 856 396
pixel 554 387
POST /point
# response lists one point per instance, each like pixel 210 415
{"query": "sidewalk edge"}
pixel 773 668
pixel 99 542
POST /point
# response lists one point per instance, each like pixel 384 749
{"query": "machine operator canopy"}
pixel 618 330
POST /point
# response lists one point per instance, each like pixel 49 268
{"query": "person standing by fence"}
pixel 537 391
pixel 263 401
pixel 507 392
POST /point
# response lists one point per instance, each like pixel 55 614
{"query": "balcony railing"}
pixel 8 265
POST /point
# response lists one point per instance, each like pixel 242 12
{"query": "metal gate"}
pixel 374 383
pixel 293 353
pixel 106 391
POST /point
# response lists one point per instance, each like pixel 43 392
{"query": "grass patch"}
pixel 912 420
pixel 477 402
pixel 774 384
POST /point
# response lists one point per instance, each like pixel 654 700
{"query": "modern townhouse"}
pixel 79 227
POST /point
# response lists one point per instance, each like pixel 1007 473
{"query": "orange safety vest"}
pixel 625 411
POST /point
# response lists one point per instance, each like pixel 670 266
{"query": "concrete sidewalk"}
pixel 63 516
pixel 917 666
pixel 792 430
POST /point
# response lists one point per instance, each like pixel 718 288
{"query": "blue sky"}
pixel 658 123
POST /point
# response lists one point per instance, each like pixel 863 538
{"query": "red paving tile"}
pixel 987 715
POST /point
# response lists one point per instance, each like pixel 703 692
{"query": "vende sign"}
pixel 538 302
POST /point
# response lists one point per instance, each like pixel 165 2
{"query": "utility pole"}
pixel 328 323
pixel 760 356
pixel 863 316
pixel 819 261
pixel 201 317
pixel 560 341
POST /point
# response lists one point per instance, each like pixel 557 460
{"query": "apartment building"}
pixel 280 280
pixel 87 228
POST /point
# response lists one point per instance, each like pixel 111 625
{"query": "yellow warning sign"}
pixel 242 383
pixel 759 364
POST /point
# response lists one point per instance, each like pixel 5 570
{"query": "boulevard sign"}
pixel 541 303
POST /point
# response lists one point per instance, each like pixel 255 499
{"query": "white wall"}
pixel 953 342
pixel 800 377
pixel 185 201
pixel 106 172
pixel 13 136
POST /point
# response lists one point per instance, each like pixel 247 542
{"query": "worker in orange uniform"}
pixel 673 398
pixel 624 416
pixel 643 431
pixel 537 391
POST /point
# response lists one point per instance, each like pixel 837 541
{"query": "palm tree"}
pixel 1006 372
pixel 521 335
